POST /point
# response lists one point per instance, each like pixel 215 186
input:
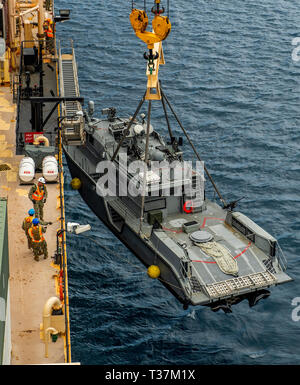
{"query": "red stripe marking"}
pixel 205 219
pixel 203 224
pixel 242 252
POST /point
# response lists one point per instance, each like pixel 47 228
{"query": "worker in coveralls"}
pixel 38 195
pixel 39 245
pixel 27 224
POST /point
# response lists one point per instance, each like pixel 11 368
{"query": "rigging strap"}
pixel 145 165
pixel 193 147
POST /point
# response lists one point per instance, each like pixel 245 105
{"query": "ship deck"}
pixel 31 283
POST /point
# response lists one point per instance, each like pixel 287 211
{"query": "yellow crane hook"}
pixel 161 28
pixel 161 25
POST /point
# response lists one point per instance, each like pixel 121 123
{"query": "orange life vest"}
pixel 47 28
pixel 50 32
pixel 36 234
pixel 38 195
pixel 27 223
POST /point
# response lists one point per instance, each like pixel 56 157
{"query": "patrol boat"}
pixel 205 253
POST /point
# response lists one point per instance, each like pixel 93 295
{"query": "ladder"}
pixel 71 112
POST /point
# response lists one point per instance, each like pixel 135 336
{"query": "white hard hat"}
pixel 42 180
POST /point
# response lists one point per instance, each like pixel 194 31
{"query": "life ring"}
pixel 41 139
pixel 186 209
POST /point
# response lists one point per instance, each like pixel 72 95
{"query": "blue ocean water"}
pixel 230 76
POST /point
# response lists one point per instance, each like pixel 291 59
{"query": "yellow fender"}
pixel 161 26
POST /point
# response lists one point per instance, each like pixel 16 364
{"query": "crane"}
pixel 161 28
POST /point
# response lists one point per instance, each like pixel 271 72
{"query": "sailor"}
pixel 27 222
pixel 39 245
pixel 49 29
pixel 38 195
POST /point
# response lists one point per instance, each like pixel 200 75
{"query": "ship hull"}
pixel 127 236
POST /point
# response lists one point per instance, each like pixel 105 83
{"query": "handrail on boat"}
pixel 281 257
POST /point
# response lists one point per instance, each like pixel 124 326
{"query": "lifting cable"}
pixel 145 6
pixel 192 145
pixel 132 5
pixel 145 165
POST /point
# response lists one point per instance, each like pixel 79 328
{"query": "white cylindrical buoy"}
pixel 26 170
pixel 50 168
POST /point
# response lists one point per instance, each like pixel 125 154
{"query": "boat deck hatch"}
pixel 188 227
